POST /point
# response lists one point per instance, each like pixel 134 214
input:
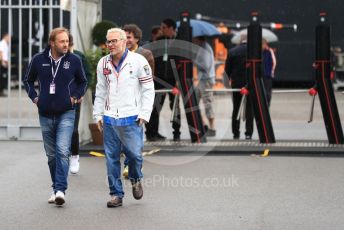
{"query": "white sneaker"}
pixel 51 200
pixel 59 198
pixel 74 164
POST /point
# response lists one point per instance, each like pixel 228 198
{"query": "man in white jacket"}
pixel 123 103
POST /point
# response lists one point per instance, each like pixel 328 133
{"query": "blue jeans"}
pixel 57 134
pixel 131 138
pixel 126 159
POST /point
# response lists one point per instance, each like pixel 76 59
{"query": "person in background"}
pixel 62 83
pixel 74 165
pixel 206 75
pixel 155 33
pixel 164 79
pixel 4 62
pixel 123 103
pixel 235 68
pixel 134 36
pixel 269 66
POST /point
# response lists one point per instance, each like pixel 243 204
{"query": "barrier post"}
pixel 324 83
pixel 255 85
pixel 185 81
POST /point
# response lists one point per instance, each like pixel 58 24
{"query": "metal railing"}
pixel 28 23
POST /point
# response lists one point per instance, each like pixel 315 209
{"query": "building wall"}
pixel 295 51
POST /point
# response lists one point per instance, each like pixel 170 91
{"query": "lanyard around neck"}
pixel 53 73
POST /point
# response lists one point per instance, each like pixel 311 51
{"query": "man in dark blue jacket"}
pixel 62 82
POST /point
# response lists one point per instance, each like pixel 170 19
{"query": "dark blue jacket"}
pixel 267 63
pixel 70 81
pixel 236 65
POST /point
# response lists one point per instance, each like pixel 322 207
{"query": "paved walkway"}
pixel 289 114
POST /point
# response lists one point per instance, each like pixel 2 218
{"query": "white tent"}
pixel 89 12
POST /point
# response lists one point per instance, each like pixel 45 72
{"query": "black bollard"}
pixel 324 83
pixel 255 85
pixel 185 81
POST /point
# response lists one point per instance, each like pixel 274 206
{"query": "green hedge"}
pixel 99 32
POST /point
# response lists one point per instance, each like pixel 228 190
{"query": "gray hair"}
pixel 122 34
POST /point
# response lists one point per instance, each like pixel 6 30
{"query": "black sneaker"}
pixel 156 138
pixel 151 138
pixel 206 128
pixel 236 137
pixel 176 138
pixel 248 137
pixel 137 190
pixel 114 202
pixel 161 137
pixel 211 133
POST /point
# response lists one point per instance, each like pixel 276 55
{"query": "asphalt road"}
pixel 180 192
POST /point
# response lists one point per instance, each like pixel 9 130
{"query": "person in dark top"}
pixel 74 160
pixel 134 36
pixel 164 79
pixel 155 33
pixel 236 70
pixel 62 82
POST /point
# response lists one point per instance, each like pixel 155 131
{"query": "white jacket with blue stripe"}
pixel 125 93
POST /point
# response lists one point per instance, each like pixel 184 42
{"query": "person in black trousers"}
pixel 236 70
pixel 164 79
pixel 74 160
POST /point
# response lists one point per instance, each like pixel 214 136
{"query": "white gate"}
pixel 28 23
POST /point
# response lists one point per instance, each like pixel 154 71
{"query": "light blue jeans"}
pixel 57 134
pixel 130 137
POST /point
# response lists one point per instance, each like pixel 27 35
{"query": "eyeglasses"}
pixel 113 42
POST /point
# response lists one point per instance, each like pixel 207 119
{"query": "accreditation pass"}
pixel 52 88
